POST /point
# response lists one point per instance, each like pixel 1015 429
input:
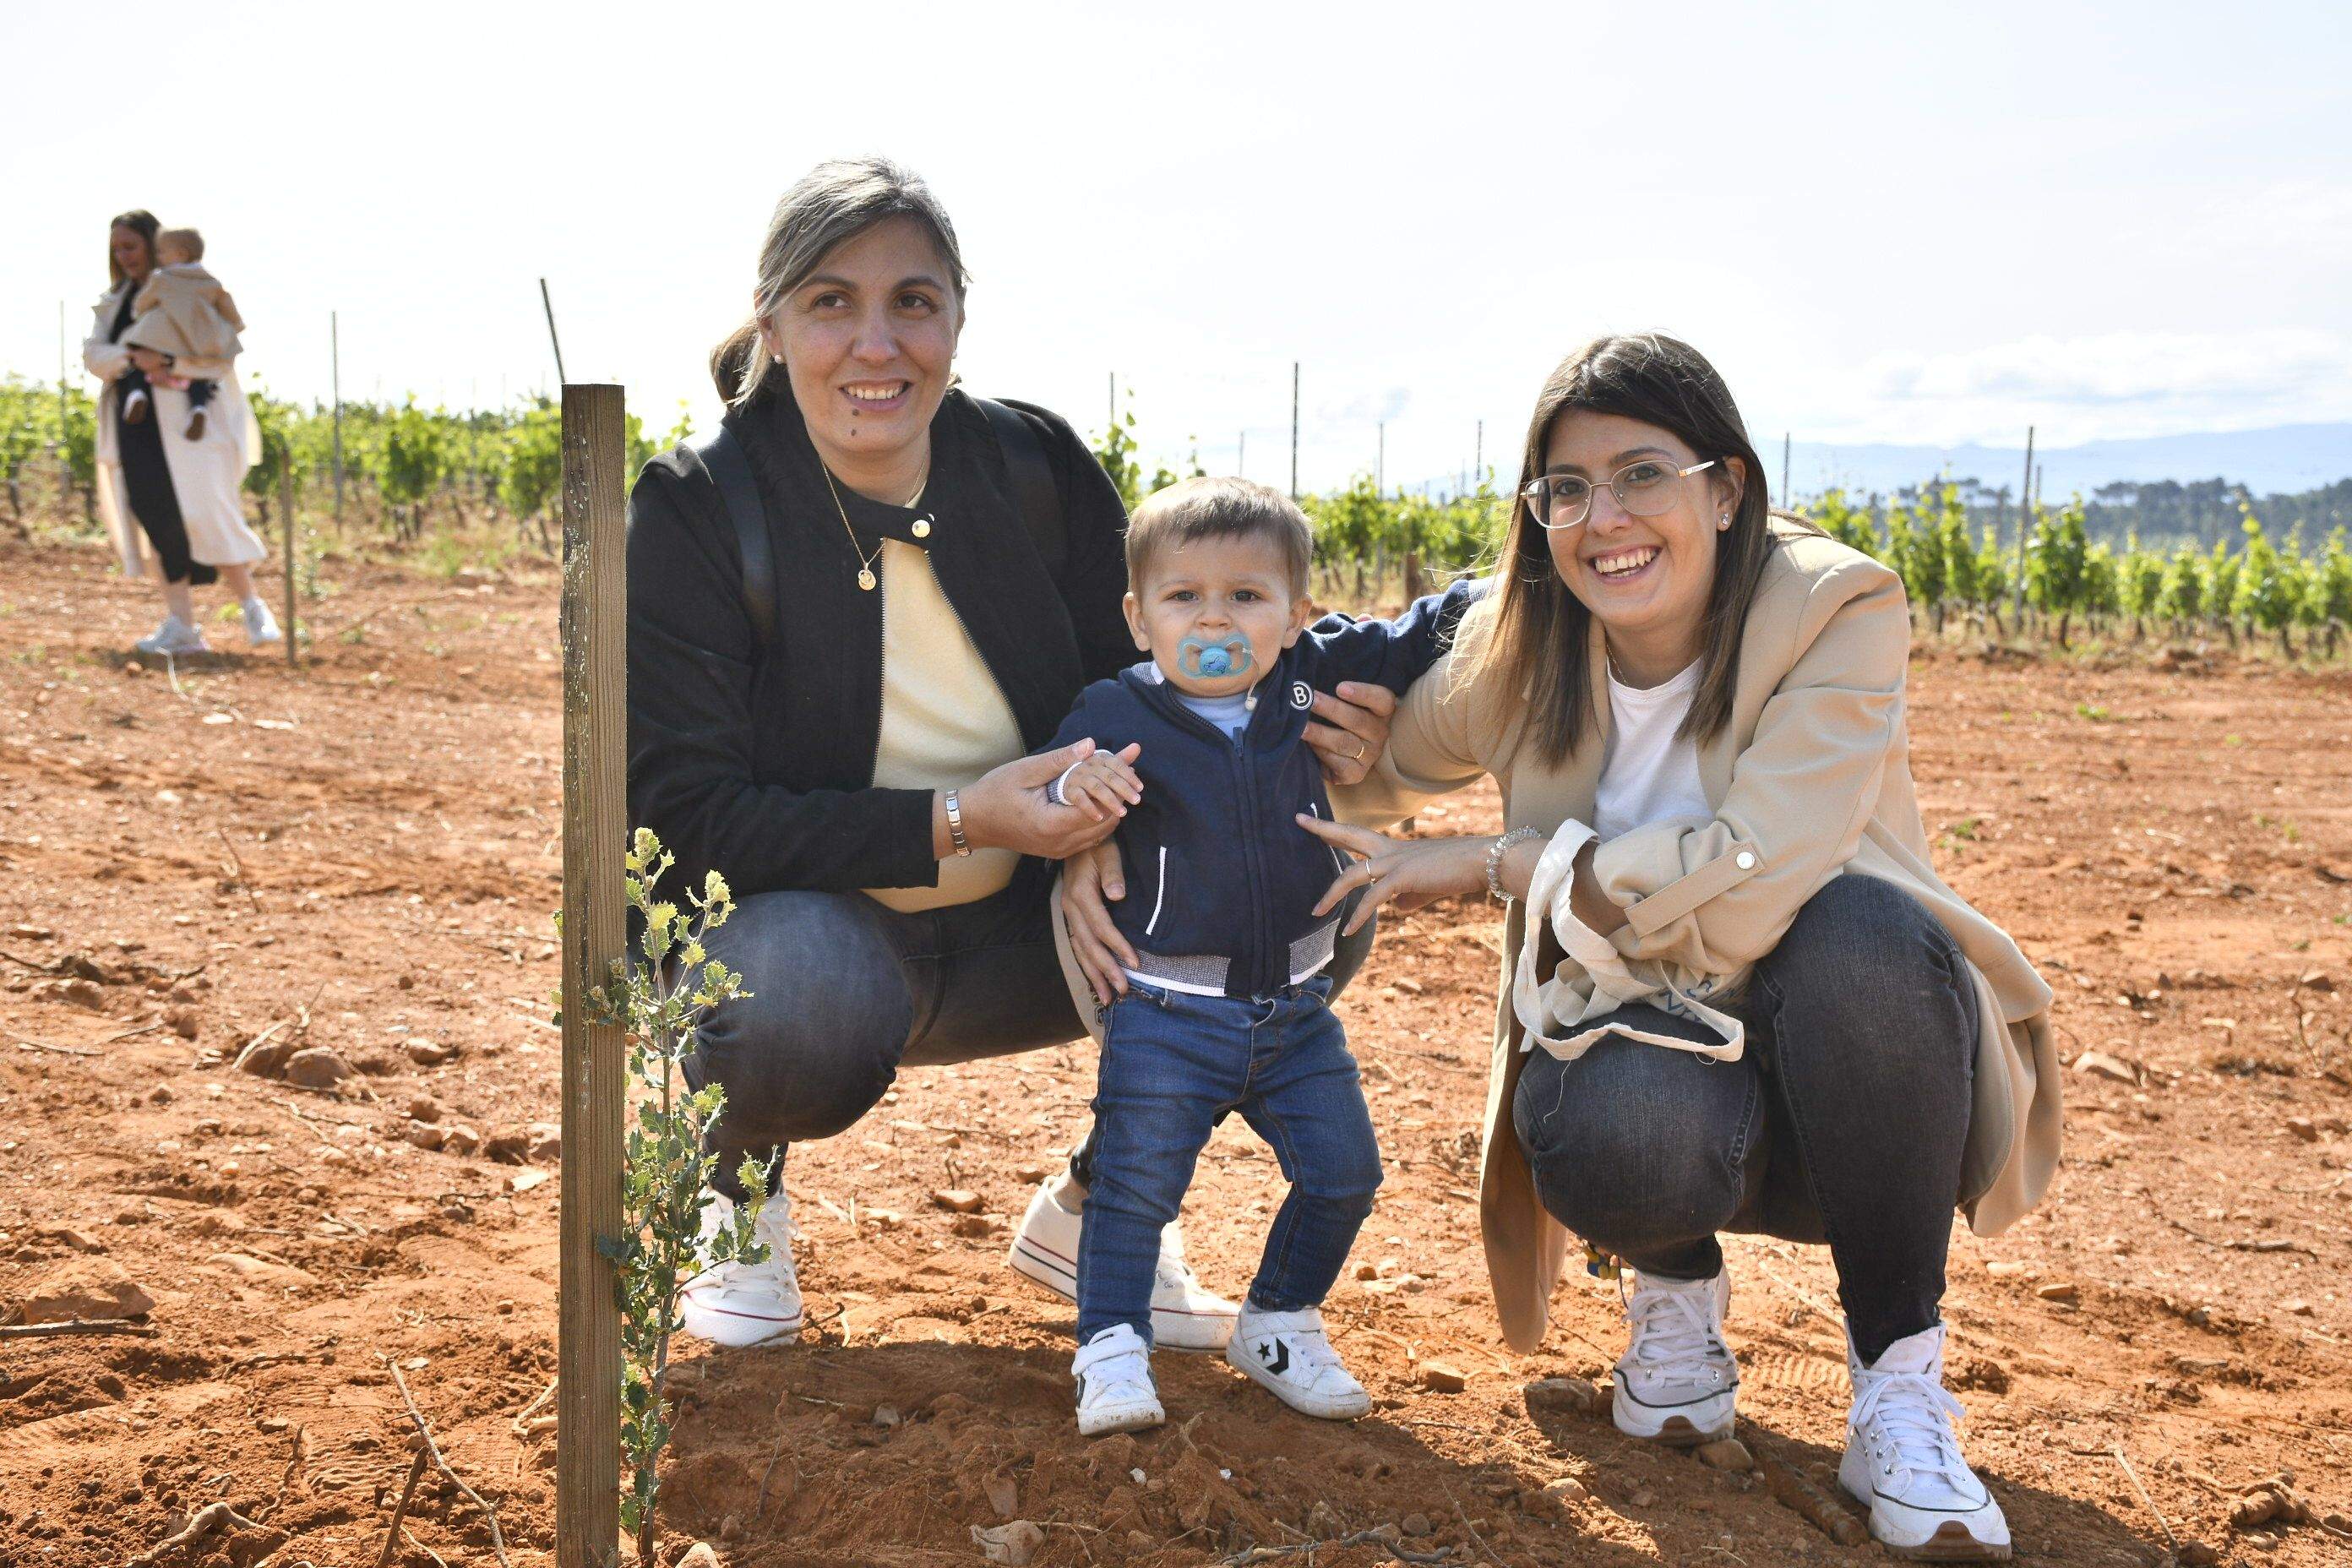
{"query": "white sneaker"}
pixel 260 626
pixel 1288 1354
pixel 738 1304
pixel 1676 1381
pixel 1185 1315
pixel 1903 1459
pixel 175 637
pixel 1115 1391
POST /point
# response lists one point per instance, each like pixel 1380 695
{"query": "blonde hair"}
pixel 837 200
pixel 185 239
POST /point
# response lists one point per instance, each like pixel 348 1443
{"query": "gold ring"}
pixel 1363 749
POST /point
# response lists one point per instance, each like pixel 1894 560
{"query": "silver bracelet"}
pixel 955 825
pixel 1495 854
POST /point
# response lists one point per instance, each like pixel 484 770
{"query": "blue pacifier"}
pixel 1215 661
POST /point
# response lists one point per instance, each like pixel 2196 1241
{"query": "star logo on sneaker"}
pixel 1275 1356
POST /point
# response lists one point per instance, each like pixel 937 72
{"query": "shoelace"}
pixel 1671 1334
pixel 1916 1413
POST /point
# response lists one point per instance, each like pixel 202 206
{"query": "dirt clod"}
pixel 91 1287
pixel 316 1068
pixel 1727 1454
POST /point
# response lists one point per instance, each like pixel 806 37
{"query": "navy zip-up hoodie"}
pixel 1221 879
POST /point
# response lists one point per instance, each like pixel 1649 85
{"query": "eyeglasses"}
pixel 1644 488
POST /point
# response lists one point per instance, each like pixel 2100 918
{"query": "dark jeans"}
pixel 1843 1121
pixel 1175 1065
pixel 147 478
pixel 845 992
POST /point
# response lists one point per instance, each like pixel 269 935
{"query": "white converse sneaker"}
pixel 1676 1381
pixel 1115 1391
pixel 1290 1356
pixel 260 626
pixel 1185 1315
pixel 1903 1459
pixel 175 637
pixel 737 1304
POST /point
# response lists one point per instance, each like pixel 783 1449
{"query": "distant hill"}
pixel 2285 459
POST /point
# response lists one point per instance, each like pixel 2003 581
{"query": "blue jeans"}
pixel 845 992
pixel 1844 1119
pixel 1175 1065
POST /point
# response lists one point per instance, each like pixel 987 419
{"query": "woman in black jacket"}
pixel 846 739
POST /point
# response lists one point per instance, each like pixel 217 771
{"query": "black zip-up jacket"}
pixel 1221 879
pixel 760 763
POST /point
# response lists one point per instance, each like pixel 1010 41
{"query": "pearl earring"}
pixel 1723 522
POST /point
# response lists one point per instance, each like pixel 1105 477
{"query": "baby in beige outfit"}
pixel 183 311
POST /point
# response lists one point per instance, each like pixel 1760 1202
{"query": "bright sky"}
pixel 1913 224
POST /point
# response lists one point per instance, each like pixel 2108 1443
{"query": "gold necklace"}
pixel 865 578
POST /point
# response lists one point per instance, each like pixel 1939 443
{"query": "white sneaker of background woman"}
pixel 1185 1316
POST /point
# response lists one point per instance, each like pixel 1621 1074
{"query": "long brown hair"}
pixel 836 201
pixel 1541 641
pixel 139 221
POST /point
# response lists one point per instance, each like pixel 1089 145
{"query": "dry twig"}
pixel 78 1326
pixel 517 1425
pixel 206 1520
pixel 293 1463
pixel 2133 1476
pixel 498 1542
pixel 392 1536
pixel 1474 1529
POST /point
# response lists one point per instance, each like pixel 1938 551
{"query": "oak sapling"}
pixel 658 1000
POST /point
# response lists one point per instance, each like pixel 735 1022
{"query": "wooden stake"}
pixel 554 342
pixel 596 828
pixel 293 546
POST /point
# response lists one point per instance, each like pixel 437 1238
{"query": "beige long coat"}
pixel 1811 779
pixel 207 475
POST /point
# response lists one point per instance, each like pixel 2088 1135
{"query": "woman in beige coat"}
pixel 172 503
pixel 1739 997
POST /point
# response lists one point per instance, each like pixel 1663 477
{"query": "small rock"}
pixel 2303 1126
pixel 1014 1543
pixel 461 1138
pixel 957 1200
pixel 265 1056
pixel 2001 1269
pixel 1566 1490
pixel 886 1416
pixel 1003 1495
pixel 1366 1271
pixel 1029 1170
pixel 2295 1307
pixel 182 1021
pixel 426 1136
pixel 1442 1378
pixel 317 1068
pixel 1416 1524
pixel 424 1108
pixel 699 1556
pixel 2062 1291
pixel 525 1181
pixel 91 1287
pixel 1573 1395
pixel 79 991
pixel 1642 1498
pixel 509 1145
pixel 2100 1064
pixel 1727 1454
pixel 431 1053
pixel 64 1236
pixel 544 1142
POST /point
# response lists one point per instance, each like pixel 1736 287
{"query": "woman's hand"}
pixel 1355 731
pixel 1406 872
pixel 1008 809
pixel 149 361
pixel 1089 878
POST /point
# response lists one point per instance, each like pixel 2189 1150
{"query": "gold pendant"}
pixel 865 578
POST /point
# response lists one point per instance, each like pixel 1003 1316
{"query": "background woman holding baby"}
pixel 175 433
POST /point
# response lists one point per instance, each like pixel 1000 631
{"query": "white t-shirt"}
pixel 1650 771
